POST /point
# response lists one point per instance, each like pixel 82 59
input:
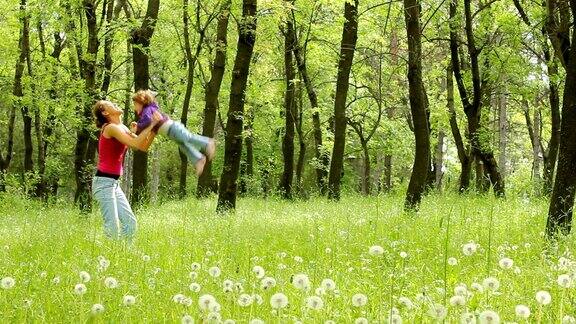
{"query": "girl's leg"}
pixel 181 134
pixel 125 214
pixel 197 159
pixel 103 190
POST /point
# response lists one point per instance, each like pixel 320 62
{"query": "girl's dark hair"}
pixel 97 112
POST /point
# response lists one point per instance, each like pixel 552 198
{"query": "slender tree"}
pixel 140 40
pixel 421 166
pixel 206 182
pixel 233 142
pixel 347 49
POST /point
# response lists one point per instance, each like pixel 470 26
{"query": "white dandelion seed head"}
pixel 228 284
pixel 213 317
pixel 7 283
pixel 395 319
pixel 259 300
pixel 259 272
pixel 314 302
pixel 209 253
pixel 468 318
pixel 376 250
pixel 477 287
pixel 229 321
pixel 564 281
pixel 129 300
pixel 215 307
pixel 187 302
pixel 329 322
pixel 56 280
pixel 278 301
pixel 111 283
pixel 187 319
pixel 178 298
pixel 194 287
pixel 461 290
pixel 27 303
pixel 301 281
pixel 103 264
pixel 43 274
pixel 192 275
pixel 215 272
pixel 84 276
pixel 405 302
pixel 97 309
pixel 491 284
pixel 420 297
pixel 282 255
pixel 256 321
pixel 522 311
pixel 195 266
pixel 457 301
pixel 227 290
pixel 393 311
pixel 403 255
pixel 146 258
pixel 298 259
pixel 205 301
pixel 469 249
pixel 80 289
pixel 245 300
pixel 359 300
pixel 506 263
pixel 567 319
pixel 328 284
pixel 328 250
pixel 452 261
pixel 489 317
pixel 438 312
pixel 282 266
pixel 320 291
pixel 156 270
pixel 238 287
pixel 267 283
pixel 361 320
pixel 517 270
pixel 543 297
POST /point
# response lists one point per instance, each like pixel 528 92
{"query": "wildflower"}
pixel 268 283
pixel 214 272
pixel 564 281
pixel 517 270
pixel 314 302
pixel 468 318
pixel 245 300
pixel 403 255
pixel 328 284
pixel 195 266
pixel 543 297
pixel 329 322
pixel 129 300
pixel 461 290
pixel 320 291
pixel 488 317
pixel 282 255
pixel 278 300
pixel 215 307
pixel 194 287
pixel 205 301
pixel 359 300
pixel 43 274
pixel 491 283
pixel 452 261
pixel 567 319
pixel 97 309
pixel 178 298
pixel 522 311
pixel 457 300
pixel 361 320
pixel 395 319
pixel 7 283
pixel 84 276
pixel 80 289
pixel 213 317
pixel 229 321
pixel 111 282
pixel 238 287
pixel 193 275
pixel 187 302
pixel 469 248
pixel 256 321
pixel 301 281
pixel 56 280
pixel 103 264
pixel 227 290
pixel 328 250
pixel 438 312
pixel 405 302
pixel 259 300
pixel 146 258
pixel 477 287
pixel 27 303
pixel 376 250
pixel 259 272
pixel 187 319
pixel 228 284
pixel 298 259
pixel 506 263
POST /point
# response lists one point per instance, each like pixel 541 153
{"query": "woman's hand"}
pixel 157 117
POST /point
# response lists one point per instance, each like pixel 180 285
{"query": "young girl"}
pixel 113 142
pixel 197 148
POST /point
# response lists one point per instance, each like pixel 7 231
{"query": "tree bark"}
pixel 301 141
pixel 233 142
pixel 26 117
pixel 503 133
pixel 439 160
pixel 347 49
pixel 140 41
pixel 421 165
pixel 289 112
pixel 207 183
pixel 551 154
pixel 562 199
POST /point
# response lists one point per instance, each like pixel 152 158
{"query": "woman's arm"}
pixel 141 142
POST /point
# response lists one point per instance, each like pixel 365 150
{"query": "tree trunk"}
pixel 562 200
pixel 347 49
pixel 207 183
pixel 439 161
pixel 421 165
pixel 26 117
pixel 503 132
pixel 289 113
pixel 322 157
pixel 140 40
pixel 233 141
pixel 551 154
pixel 366 170
pixel 126 180
pixel 301 142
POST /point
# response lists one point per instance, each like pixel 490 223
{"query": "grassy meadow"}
pixel 470 259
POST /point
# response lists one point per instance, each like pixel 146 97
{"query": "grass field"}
pixel 474 258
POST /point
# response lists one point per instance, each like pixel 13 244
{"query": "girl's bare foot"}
pixel 211 149
pixel 199 166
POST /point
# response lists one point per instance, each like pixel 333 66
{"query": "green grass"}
pixel 332 239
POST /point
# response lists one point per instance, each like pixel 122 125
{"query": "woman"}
pixel 115 138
